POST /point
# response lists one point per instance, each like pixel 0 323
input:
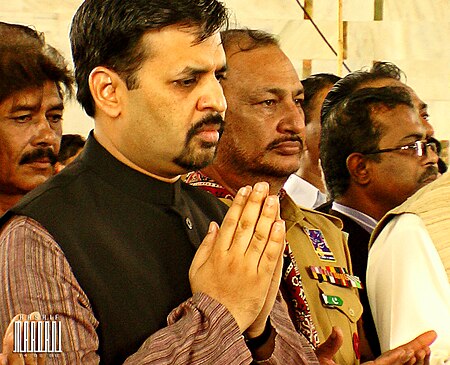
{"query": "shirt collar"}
pixel 128 180
pixel 303 192
pixel 365 221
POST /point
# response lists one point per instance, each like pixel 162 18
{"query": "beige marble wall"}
pixel 414 34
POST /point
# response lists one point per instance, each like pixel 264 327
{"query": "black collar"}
pixel 127 179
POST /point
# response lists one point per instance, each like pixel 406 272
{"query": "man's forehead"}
pixel 34 97
pixel 24 98
pixel 418 103
pixel 267 65
pixel 382 82
pixel 178 35
pixel 401 120
pixel 235 54
pixel 180 47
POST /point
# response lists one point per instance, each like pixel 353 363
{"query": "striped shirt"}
pixel 36 276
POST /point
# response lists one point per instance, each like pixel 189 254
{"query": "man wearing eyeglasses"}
pixel 408 272
pixel 374 154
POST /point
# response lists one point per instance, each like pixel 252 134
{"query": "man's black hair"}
pixel 70 145
pixel 109 33
pixel 312 86
pixel 351 127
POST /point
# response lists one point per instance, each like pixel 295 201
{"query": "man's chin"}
pixel 272 171
pixel 196 162
pixel 36 178
pixel 429 179
pixel 26 187
pixel 285 165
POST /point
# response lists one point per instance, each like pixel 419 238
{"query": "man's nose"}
pixel 430 156
pixel 212 98
pixel 292 119
pixel 46 134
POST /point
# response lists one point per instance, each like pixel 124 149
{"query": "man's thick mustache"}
pixel 211 119
pixel 291 138
pixel 430 171
pixel 38 154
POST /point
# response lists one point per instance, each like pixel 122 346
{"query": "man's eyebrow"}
pixel 194 71
pixel 423 105
pixel 417 136
pixel 280 91
pixel 17 107
pixel 33 107
pixel 223 69
pixel 58 106
pixel 300 91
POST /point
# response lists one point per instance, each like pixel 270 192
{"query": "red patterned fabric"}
pixel 292 282
pixel 197 178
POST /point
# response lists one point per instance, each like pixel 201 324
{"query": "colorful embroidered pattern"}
pixel 197 178
pixel 320 245
pixel 292 282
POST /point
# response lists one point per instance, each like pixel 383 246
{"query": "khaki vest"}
pixel 324 318
pixel 432 205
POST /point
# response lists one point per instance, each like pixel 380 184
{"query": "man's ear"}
pixel 359 167
pixel 106 88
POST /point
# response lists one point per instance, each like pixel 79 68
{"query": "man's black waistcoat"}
pixel 129 239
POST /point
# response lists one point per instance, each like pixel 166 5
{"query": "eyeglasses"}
pixel 420 148
pixel 438 144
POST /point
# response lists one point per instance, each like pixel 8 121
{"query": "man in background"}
pixel 307 186
pixel 71 146
pixel 410 258
pixel 34 81
pixel 364 186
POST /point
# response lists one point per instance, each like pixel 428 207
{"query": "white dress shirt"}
pixel 304 193
pixel 408 288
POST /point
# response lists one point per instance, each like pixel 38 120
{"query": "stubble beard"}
pixel 261 166
pixel 197 155
pixel 194 158
pixel 257 167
